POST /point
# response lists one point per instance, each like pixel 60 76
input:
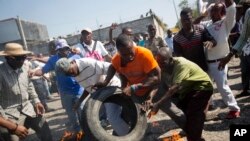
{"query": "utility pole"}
pixel 99 32
pixel 176 14
pixel 20 27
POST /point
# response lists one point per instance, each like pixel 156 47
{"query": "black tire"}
pixel 90 116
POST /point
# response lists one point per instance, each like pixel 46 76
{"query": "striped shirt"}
pixel 192 47
pixel 17 92
pixel 92 71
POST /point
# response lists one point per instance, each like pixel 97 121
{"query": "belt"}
pixel 214 61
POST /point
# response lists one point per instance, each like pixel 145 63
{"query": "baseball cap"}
pixel 87 29
pixel 61 43
pixel 63 65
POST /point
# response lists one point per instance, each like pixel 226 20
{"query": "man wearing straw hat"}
pixel 19 102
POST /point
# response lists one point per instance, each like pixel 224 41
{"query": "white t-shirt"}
pixel 220 30
pixel 99 48
pixel 93 71
pixel 169 42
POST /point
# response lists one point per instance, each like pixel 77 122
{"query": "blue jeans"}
pixel 68 101
pixel 114 116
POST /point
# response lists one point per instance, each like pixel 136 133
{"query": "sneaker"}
pixel 243 94
pixel 233 115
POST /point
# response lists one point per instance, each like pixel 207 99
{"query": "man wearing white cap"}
pixel 91 48
pixel 19 103
pixel 69 90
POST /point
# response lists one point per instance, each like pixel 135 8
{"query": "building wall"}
pixel 40 48
pixel 37 34
pixel 35 31
pixel 138 26
pixel 9 31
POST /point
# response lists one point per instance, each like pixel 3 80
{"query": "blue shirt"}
pixel 65 84
pixel 141 43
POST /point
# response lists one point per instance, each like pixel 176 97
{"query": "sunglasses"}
pixel 18 58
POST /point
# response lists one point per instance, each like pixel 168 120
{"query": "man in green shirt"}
pixel 187 82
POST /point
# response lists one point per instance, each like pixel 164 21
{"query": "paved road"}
pixel 160 126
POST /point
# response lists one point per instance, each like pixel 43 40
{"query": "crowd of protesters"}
pixel 174 74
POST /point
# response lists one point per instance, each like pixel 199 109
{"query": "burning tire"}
pixel 131 113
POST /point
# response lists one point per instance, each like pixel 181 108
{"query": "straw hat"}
pixel 14 49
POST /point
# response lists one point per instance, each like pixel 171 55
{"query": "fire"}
pixel 174 137
pixel 70 136
pixel 151 116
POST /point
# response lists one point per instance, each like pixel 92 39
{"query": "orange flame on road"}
pixel 174 137
pixel 70 136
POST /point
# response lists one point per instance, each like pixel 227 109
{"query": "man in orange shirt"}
pixel 138 70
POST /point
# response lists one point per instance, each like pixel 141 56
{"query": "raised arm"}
pixel 230 15
pixel 112 27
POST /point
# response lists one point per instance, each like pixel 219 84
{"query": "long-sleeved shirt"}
pixel 17 92
pixel 245 33
pixel 220 30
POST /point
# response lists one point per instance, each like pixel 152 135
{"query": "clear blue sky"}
pixel 63 17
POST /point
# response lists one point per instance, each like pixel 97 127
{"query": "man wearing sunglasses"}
pixel 19 103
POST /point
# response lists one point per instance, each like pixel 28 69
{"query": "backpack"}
pixel 93 54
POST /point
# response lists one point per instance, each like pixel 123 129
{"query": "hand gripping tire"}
pixel 93 131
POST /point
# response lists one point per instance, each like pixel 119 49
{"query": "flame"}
pixel 151 116
pixel 70 136
pixel 174 137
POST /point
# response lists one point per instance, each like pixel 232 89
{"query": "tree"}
pixel 183 4
pixel 163 25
